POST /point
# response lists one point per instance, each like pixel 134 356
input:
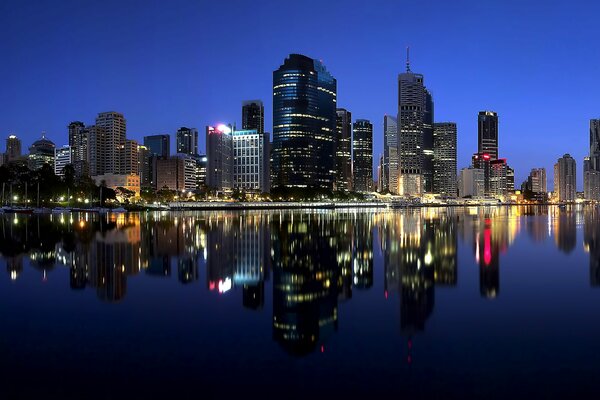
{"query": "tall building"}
pixel 591 167
pixel 363 155
pixel 219 150
pixel 499 186
pixel 41 152
pixel 482 161
pixel 253 116
pixel 110 131
pixel 471 182
pixel 170 173
pixel 343 150
pixel 487 133
pixel 390 154
pixel 130 158
pixel 144 166
pixel 538 180
pixel 78 142
pixel 591 181
pixel 444 158
pixel 595 144
pixel 159 145
pixel 62 158
pixel 187 140
pixel 415 134
pixel 565 178
pixel 13 148
pixel 304 120
pixel 250 161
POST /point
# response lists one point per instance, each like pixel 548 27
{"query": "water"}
pixel 450 303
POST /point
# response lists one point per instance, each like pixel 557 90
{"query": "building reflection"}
pixel 591 243
pixel 305 273
pixel 565 229
pixel 318 259
pixel 419 252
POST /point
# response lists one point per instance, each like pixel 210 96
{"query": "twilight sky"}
pixel 166 64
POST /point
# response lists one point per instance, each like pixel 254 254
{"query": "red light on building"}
pixel 486 157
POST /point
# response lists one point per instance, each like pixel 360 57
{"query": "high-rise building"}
pixel 13 148
pixel 343 150
pixel 415 134
pixel 159 145
pixel 390 154
pixel 110 139
pixel 499 186
pixel 78 142
pixel 444 158
pixel 187 140
pixel 510 179
pixel 253 115
pixel 363 155
pixel 487 133
pixel 471 182
pixel 250 161
pixel 41 152
pixel 595 144
pixel 62 158
pixel 201 165
pixel 565 178
pixel 144 166
pixel 538 180
pixel 428 144
pixel 170 173
pixel 591 181
pixel 591 165
pixel 219 150
pixel 130 157
pixel 304 120
pixel 482 161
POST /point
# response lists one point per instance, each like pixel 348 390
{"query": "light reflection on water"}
pixel 310 272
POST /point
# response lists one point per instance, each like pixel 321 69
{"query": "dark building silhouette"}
pixel 487 133
pixel 304 124
pixel 253 115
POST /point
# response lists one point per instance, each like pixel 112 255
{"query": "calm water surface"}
pixel 441 303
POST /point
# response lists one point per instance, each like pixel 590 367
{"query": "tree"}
pixel 125 194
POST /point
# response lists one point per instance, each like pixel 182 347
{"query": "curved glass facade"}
pixel 304 123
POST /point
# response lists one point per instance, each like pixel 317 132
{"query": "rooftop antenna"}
pixel 407 58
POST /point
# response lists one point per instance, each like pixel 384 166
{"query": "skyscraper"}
pixel 343 151
pixel 219 150
pixel 487 134
pixel 482 161
pixel 444 158
pixel 144 166
pixel 187 140
pixel 250 161
pixel 78 142
pixel 363 155
pixel 110 131
pixel 591 167
pixel 538 180
pixel 390 154
pixel 62 158
pixel 159 145
pixel 304 119
pixel 13 148
pixel 595 144
pixel 253 115
pixel 130 158
pixel 591 181
pixel 415 113
pixel 565 178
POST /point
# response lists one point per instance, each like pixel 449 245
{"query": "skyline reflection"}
pixel 318 260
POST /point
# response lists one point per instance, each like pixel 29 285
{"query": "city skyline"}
pixel 137 87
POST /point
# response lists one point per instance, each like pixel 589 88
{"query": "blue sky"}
pixel 165 64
